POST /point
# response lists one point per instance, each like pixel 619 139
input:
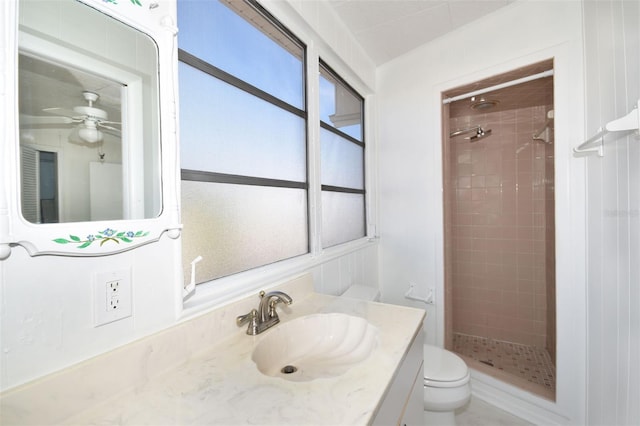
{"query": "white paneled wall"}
pixel 359 267
pixel 612 49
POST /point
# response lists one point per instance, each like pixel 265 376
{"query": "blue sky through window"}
pixel 328 108
pixel 216 34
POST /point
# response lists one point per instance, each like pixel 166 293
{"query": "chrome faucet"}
pixel 265 316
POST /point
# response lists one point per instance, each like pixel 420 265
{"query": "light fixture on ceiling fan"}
pixel 89 132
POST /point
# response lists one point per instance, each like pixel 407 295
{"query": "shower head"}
pixel 482 104
pixel 480 133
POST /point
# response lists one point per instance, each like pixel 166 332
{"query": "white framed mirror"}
pixel 89 172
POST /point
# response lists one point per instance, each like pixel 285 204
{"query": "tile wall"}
pixel 501 221
pixel 550 248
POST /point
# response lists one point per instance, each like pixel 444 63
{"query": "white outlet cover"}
pixel 102 314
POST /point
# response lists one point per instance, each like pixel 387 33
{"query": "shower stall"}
pixel 498 164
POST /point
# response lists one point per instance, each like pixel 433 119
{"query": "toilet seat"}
pixel 444 369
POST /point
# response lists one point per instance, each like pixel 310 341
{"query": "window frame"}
pixel 228 288
pixel 326 126
pixel 224 77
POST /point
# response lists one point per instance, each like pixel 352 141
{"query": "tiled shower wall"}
pixel 550 249
pixel 501 225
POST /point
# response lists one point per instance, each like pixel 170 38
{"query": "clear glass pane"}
pixel 226 130
pixel 342 161
pixel 213 32
pixel 339 106
pixel 238 227
pixel 343 217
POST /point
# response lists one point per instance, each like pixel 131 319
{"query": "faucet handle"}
pixel 272 305
pixel 252 319
pixel 243 319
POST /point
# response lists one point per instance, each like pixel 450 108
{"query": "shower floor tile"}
pixel 528 362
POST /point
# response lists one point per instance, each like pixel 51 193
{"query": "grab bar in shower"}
pixel 544 133
pixel 595 143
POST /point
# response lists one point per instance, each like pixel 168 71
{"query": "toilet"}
pixel 446 385
pixel 446 375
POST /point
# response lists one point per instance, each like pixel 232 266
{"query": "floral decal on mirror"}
pixel 136 2
pixel 103 237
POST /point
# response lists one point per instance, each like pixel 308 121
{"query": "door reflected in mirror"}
pixel 89 119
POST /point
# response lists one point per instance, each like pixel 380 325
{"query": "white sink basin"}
pixel 315 346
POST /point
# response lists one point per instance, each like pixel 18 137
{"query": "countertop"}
pixel 220 384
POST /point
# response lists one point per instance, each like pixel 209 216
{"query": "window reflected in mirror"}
pixel 89 122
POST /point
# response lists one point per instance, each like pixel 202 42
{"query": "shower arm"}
pixel 463 131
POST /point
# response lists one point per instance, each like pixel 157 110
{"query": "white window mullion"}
pixel 370 168
pixel 313 123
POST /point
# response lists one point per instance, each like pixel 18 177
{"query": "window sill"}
pixel 222 291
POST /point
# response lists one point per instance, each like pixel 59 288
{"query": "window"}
pixel 342 157
pixel 244 150
pixel 243 138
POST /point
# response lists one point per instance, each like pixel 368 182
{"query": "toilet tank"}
pixel 362 292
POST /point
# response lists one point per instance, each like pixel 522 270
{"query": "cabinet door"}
pixel 413 414
pixel 401 401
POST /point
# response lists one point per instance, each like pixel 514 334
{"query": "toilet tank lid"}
pixel 443 366
pixel 362 292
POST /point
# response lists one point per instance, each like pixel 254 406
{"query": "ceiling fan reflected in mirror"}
pixel 92 120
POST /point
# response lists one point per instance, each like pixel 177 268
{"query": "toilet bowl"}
pixel 446 375
pixel 446 385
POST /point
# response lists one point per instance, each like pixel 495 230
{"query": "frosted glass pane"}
pixel 216 34
pixel 342 217
pixel 339 106
pixel 238 227
pixel 226 130
pixel 342 161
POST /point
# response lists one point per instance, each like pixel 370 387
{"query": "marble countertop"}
pixel 220 384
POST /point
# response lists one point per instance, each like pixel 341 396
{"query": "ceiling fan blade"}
pixel 102 126
pixel 39 119
pixel 110 122
pixel 64 112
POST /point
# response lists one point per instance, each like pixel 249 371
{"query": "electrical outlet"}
pixel 112 296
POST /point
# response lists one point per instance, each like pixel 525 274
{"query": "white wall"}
pixel 46 302
pixel 410 170
pixel 612 50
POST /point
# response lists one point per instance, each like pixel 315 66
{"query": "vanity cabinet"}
pixel 404 402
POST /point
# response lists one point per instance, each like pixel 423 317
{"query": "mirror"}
pixel 88 116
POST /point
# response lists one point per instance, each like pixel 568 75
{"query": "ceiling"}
pixel 387 29
pixel 44 85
